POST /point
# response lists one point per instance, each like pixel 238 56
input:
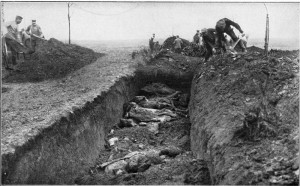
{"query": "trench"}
pixel 69 151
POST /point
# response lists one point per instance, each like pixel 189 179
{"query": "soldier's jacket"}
pixel 224 24
pixel 209 36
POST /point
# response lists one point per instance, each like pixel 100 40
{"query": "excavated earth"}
pixel 52 60
pixel 245 116
pixel 62 124
pixel 172 119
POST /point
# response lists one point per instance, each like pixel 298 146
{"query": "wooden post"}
pixel 69 22
pixel 267 36
pixel 267 33
pixel 3 21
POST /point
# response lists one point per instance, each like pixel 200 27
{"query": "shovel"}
pixel 12 38
pixel 39 37
pixel 231 48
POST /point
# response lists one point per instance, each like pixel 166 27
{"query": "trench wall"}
pixel 220 98
pixel 67 148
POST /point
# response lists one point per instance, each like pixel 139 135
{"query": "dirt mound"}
pixel 245 115
pixel 52 59
pixel 168 43
pixel 170 68
pixel 194 50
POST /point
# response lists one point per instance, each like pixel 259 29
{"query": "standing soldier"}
pixel 208 37
pixel 13 31
pixel 12 37
pixel 196 38
pixel 34 30
pixel 178 42
pixel 224 26
pixel 151 43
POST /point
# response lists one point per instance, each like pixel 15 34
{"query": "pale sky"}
pixel 138 20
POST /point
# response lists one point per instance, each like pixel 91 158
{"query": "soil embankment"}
pixel 242 127
pixel 31 108
pixel 34 132
pixel 245 116
pixel 67 147
pixel 52 60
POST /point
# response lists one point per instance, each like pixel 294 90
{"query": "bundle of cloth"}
pixel 230 44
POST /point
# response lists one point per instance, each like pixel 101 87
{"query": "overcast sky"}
pixel 138 20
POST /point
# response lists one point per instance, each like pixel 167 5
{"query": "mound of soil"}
pixel 170 68
pixel 245 117
pixel 194 50
pixel 168 43
pixel 52 59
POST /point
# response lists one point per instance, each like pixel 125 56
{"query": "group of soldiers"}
pixel 26 38
pixel 213 39
pixel 177 44
pixel 217 38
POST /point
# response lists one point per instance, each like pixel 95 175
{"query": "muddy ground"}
pixel 248 137
pixel 29 105
pixel 245 118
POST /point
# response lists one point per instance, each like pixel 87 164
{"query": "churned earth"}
pixel 30 106
pixel 245 117
pixel 240 126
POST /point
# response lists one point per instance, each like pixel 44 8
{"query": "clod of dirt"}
pixel 52 59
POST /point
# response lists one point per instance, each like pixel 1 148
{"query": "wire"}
pixel 266 8
pixel 100 14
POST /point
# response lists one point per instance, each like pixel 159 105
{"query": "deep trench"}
pixel 70 147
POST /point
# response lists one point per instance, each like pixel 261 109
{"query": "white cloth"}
pixel 13 30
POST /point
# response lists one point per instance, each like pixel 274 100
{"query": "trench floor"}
pixel 181 169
